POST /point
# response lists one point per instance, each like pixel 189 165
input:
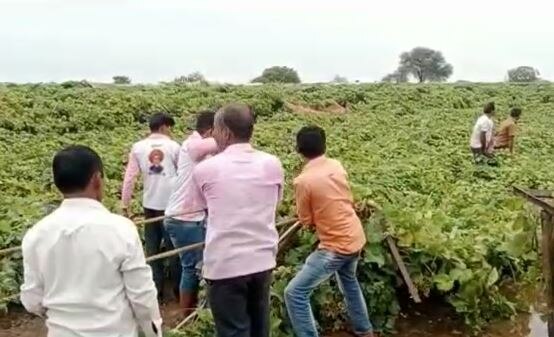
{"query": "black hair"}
pixel 239 119
pixel 311 142
pixel 74 167
pixel 205 120
pixel 489 108
pixel 160 119
pixel 515 112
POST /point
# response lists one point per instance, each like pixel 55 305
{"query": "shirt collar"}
pixel 82 203
pixel 314 162
pixel 156 135
pixel 240 147
pixel 195 135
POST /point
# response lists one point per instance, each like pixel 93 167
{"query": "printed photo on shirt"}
pixel 156 157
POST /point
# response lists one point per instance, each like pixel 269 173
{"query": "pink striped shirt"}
pixel 183 198
pixel 241 188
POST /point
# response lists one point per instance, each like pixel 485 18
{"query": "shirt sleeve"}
pixel 200 148
pixel 140 288
pixel 197 189
pixel 131 173
pixel 512 129
pixel 176 153
pixel 303 203
pixel 276 175
pixel 32 289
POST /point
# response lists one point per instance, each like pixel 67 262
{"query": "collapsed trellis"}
pixel 543 199
pixel 284 238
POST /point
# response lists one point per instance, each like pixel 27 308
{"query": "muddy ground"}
pixel 415 321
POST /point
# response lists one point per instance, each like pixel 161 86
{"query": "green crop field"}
pixel 459 227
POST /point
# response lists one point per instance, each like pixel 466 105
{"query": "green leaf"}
pixel 493 277
pixel 443 282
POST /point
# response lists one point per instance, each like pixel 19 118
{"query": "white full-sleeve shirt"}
pixel 85 272
pixel 155 158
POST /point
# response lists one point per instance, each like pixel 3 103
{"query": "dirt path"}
pixel 18 323
pixel 437 323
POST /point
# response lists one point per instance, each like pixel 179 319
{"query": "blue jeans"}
pixel 318 268
pixel 185 233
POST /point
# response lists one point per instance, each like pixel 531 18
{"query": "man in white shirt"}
pixel 84 267
pixel 482 141
pixel 189 228
pixel 155 158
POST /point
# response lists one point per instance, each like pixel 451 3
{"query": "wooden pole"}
pixel 285 237
pixel 548 265
pixel 403 270
pixel 7 251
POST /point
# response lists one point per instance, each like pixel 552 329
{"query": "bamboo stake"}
pixel 191 316
pixel 403 270
pixel 11 250
pixel 288 233
pixel 174 252
pixel 548 266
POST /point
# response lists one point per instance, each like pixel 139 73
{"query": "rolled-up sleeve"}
pixel 276 175
pixel 303 203
pixel 197 188
pixel 140 289
pixel 198 149
pixel 32 289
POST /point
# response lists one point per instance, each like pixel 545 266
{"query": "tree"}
pixel 423 64
pixel 278 75
pixel 121 79
pixel 523 74
pixel 340 79
pixel 396 77
pixel 191 78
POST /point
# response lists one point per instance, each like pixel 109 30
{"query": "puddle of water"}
pixel 439 320
pixel 537 326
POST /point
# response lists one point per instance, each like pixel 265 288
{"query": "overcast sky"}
pixel 234 40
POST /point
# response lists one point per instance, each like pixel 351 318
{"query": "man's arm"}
pixel 131 173
pixel 140 289
pixel 303 204
pixel 196 192
pixel 198 149
pixel 511 137
pixel 32 289
pixel 484 145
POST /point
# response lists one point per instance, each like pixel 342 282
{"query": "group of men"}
pixel 85 269
pixel 484 141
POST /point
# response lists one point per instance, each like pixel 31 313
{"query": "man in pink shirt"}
pixel 155 158
pixel 187 229
pixel 241 187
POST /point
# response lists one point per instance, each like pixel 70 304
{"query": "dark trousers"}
pixel 154 235
pixel 240 305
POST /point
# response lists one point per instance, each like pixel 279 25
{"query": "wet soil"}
pixel 430 319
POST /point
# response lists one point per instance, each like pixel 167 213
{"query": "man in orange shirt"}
pixel 324 201
pixel 506 134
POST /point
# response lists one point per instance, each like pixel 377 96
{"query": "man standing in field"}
pixel 482 141
pixel 155 158
pixel 189 228
pixel 84 267
pixel 241 187
pixel 506 135
pixel 324 201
